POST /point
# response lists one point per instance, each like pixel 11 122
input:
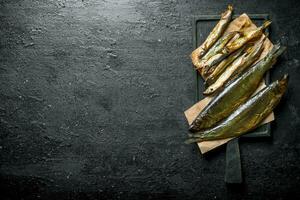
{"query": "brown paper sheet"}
pixel 193 111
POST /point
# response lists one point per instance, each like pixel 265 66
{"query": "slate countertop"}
pixel 92 99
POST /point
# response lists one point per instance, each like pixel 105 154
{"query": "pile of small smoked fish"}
pixel 229 65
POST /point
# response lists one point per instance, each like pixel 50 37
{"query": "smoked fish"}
pixel 217 47
pixel 248 116
pixel 216 33
pixel 237 66
pixel 235 93
pixel 236 44
pixel 217 70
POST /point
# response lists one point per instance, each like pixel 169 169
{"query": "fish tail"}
pixel 277 51
pixel 266 24
pixel 192 140
pixel 283 83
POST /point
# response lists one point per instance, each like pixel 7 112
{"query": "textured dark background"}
pixel 92 99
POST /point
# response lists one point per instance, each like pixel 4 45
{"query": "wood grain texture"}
pixel 92 95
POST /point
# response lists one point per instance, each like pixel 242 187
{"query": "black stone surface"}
pixel 92 99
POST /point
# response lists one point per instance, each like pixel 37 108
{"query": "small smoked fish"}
pixel 214 72
pixel 236 44
pixel 216 33
pixel 206 63
pixel 248 116
pixel 217 70
pixel 218 46
pixel 236 93
pixel 237 66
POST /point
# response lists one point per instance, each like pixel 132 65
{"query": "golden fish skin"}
pixel 248 116
pixel 207 62
pixel 237 66
pixel 216 71
pixel 246 38
pixel 235 93
pixel 236 44
pixel 216 33
pixel 218 46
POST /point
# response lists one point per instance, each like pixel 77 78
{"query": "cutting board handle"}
pixel 233 173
